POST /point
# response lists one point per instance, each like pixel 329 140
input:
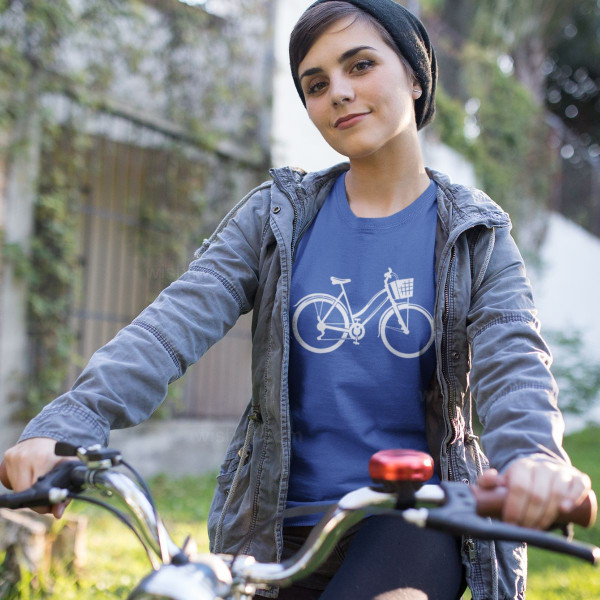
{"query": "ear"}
pixel 417 91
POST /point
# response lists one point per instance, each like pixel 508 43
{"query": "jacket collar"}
pixel 459 207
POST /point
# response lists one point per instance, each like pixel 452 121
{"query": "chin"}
pixel 357 151
pixel 360 147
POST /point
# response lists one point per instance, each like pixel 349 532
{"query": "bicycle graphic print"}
pixel 322 323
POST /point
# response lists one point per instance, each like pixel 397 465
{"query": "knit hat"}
pixel 412 40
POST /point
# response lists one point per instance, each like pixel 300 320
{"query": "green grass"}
pixel 116 562
pixel 115 559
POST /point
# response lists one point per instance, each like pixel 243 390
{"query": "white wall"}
pixel 566 287
pixel 295 140
pixel 567 281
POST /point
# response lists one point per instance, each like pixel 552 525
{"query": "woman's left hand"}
pixel 537 490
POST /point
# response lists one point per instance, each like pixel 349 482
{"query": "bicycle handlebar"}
pixel 68 479
pixel 451 506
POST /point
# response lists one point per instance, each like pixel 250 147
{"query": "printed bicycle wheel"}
pixel 413 341
pixel 312 320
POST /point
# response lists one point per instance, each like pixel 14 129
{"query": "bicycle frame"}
pixel 355 317
pixel 322 322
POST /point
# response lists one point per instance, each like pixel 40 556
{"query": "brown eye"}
pixel 317 87
pixel 363 65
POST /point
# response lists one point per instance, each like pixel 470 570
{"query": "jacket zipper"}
pixel 470 548
pixel 469 544
pixel 445 320
pixel 289 197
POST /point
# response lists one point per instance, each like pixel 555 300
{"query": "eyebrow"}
pixel 345 56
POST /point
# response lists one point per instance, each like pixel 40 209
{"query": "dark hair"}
pixel 318 18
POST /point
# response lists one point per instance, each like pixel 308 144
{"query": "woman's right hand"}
pixel 24 463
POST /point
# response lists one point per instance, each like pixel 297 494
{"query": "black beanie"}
pixel 412 40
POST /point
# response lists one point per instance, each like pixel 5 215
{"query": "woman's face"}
pixel 357 91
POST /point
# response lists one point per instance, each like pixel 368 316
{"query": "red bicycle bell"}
pixel 401 466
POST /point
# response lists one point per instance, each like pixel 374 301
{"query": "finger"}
pixel 59 509
pixel 42 510
pixel 518 483
pixel 4 476
pixel 28 461
pixel 545 493
pixel 569 488
pixel 21 478
pixel 490 479
pixel 579 488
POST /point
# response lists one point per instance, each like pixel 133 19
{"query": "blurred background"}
pixel 128 129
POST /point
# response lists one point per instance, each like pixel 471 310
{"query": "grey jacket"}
pixel 487 342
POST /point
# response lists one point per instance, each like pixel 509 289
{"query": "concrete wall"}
pixel 17 196
pixel 176 447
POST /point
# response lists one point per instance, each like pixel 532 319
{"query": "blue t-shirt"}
pixel 362 352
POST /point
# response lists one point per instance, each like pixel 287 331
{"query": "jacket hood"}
pixel 461 206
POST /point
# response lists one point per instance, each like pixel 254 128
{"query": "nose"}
pixel 340 90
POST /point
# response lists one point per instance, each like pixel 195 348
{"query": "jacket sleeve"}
pixel 515 392
pixel 127 379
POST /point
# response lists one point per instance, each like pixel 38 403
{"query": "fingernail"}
pixel 60 511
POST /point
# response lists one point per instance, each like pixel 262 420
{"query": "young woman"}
pixel 378 232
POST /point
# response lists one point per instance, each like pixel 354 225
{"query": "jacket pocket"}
pixel 230 466
pixel 233 483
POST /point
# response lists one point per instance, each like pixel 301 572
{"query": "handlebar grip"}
pixel 27 499
pixel 491 501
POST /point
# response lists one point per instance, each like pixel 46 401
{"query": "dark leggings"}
pixel 383 558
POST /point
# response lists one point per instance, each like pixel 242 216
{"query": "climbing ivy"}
pixel 510 148
pixel 37 37
pixel 50 269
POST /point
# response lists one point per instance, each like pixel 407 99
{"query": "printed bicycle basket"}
pixel 402 288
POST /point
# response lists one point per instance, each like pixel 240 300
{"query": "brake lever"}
pixel 457 514
pixel 95 457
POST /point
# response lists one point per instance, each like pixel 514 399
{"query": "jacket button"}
pixel 276 209
pixel 455 355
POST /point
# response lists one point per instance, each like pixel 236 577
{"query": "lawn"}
pixel 115 560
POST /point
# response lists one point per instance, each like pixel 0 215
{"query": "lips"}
pixel 350 120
